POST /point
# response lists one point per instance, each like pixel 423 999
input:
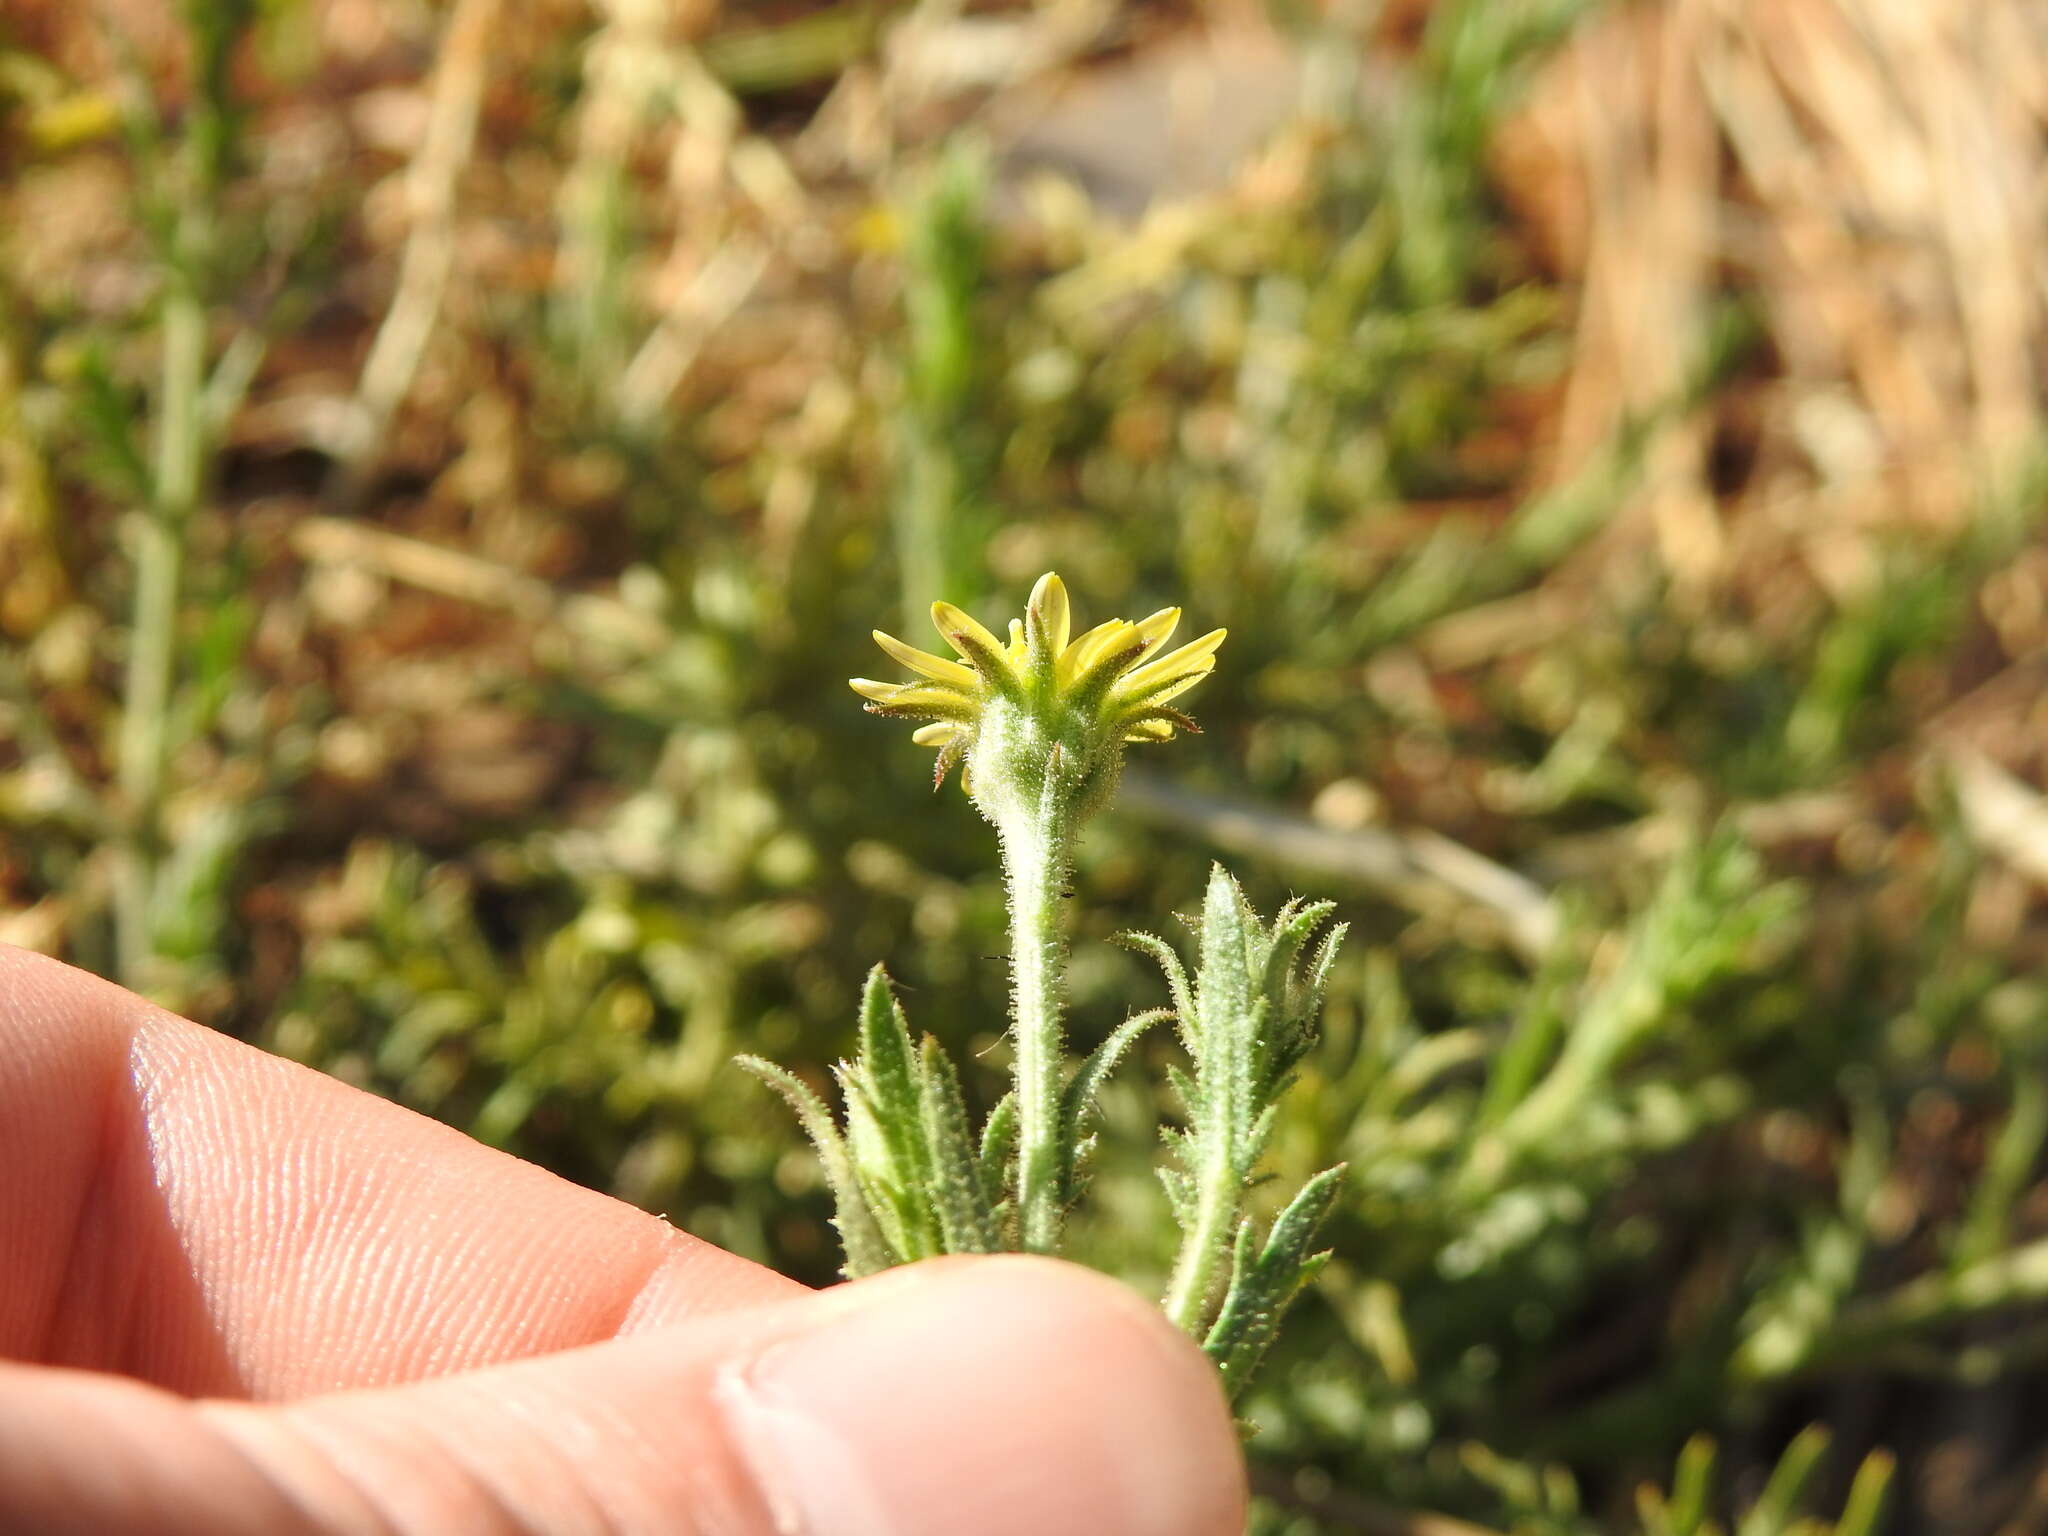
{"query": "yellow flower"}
pixel 1044 701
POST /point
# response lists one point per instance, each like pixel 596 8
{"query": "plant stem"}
pixel 1037 858
pixel 1202 1250
pixel 152 638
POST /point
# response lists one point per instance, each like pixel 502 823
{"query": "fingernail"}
pixel 999 1396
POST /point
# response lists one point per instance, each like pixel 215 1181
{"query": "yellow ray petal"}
pixel 936 667
pixel 937 734
pixel 1049 602
pixel 1092 647
pixel 1150 730
pixel 1154 630
pixel 1182 660
pixel 966 635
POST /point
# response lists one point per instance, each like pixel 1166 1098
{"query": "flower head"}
pixel 1046 709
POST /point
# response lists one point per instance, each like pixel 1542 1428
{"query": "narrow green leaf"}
pixel 955 1189
pixel 1176 980
pixel 1224 976
pixel 998 1141
pixel 1691 1486
pixel 1291 930
pixel 1242 1075
pixel 1295 1228
pixel 866 1251
pixel 1253 1142
pixel 1774 1510
pixel 897 1201
pixel 2008 1171
pixel 887 1066
pixel 1180 1195
pixel 1291 1042
pixel 1867 1495
pixel 1079 1095
pixel 1265 1282
pixel 1246 1322
pixel 1320 960
pixel 1531 1040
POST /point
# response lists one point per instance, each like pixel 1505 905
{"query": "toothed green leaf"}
pixel 1266 1278
pixel 955 1188
pixel 1255 1019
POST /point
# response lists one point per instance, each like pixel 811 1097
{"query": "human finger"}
pixel 181 1207
pixel 999 1396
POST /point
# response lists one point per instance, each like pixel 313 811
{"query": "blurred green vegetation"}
pixel 450 462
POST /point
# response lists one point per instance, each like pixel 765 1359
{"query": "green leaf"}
pixel 1245 1084
pixel 1253 1143
pixel 1226 942
pixel 898 1202
pixel 887 1068
pixel 1531 1040
pixel 1180 1195
pixel 866 1250
pixel 2015 1153
pixel 1320 960
pixel 1265 1282
pixel 998 1141
pixel 1691 1485
pixel 955 1188
pixel 1867 1494
pixel 1776 1506
pixel 1291 929
pixel 1176 980
pixel 1225 1037
pixel 1080 1092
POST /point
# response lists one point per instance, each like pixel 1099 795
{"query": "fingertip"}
pixel 1001 1395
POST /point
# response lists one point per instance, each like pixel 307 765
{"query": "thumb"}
pixel 1001 1396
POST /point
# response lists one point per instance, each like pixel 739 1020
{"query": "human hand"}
pixel 240 1297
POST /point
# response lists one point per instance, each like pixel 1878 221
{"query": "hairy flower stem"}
pixel 1037 845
